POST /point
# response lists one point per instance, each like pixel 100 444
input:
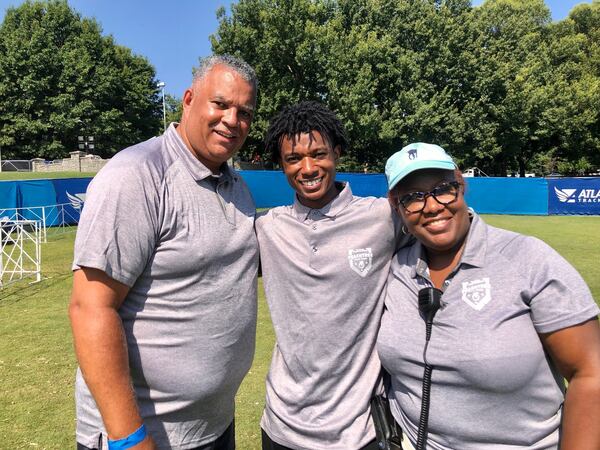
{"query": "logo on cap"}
pixel 360 260
pixel 412 153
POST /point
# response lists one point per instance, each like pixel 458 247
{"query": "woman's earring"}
pixel 404 229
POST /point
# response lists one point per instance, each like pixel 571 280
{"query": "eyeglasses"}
pixel 444 194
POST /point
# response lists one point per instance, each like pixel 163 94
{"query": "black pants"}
pixel 224 442
pixel 269 444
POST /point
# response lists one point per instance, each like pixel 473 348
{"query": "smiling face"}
pixel 440 228
pixel 217 112
pixel 308 162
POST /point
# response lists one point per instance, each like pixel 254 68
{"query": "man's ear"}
pixel 186 103
pixel 188 96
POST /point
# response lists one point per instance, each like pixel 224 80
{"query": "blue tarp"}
pixel 507 195
pixel 270 188
pixel 574 196
pixel 8 195
pixel 37 193
pixel 366 185
pixel 485 195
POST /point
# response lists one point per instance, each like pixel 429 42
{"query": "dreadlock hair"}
pixel 304 117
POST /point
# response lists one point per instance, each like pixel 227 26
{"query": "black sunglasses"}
pixel 444 194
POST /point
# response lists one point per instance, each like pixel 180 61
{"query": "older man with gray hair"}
pixel 163 308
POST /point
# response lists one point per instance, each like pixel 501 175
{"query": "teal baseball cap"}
pixel 413 157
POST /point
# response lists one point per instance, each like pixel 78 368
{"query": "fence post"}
pixel 38 253
pixel 44 224
pixel 21 248
pixel 1 252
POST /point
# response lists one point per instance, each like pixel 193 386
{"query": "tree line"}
pixel 60 78
pixel 500 86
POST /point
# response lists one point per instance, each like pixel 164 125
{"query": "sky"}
pixel 174 35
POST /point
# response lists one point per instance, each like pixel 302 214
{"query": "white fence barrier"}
pixel 58 218
pixel 20 250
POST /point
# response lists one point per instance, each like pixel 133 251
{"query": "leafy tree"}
pixel 174 108
pixel 576 60
pixel 537 89
pixel 391 69
pixel 280 39
pixel 510 80
pixel 500 86
pixel 59 77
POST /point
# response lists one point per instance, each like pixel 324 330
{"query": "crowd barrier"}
pixel 487 195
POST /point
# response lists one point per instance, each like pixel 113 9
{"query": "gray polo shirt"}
pixel 324 273
pixel 157 220
pixel 493 386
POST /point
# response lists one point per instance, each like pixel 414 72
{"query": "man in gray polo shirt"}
pixel 163 308
pixel 325 260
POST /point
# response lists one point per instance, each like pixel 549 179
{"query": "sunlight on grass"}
pixel 37 364
pixel 7 176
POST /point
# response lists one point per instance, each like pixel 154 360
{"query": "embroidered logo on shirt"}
pixel 360 260
pixel 477 293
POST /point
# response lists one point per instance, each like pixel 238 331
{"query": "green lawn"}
pixel 37 365
pixel 4 176
pixel 576 238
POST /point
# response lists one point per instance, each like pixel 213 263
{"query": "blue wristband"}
pixel 127 442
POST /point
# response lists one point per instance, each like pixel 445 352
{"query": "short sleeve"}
pixel 558 296
pixel 118 229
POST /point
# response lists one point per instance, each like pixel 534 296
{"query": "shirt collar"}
pixel 331 209
pixel 417 260
pixel 473 253
pixel 197 170
pixel 476 244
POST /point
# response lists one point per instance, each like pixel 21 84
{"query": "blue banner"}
pixel 574 196
pixel 537 196
pixel 70 192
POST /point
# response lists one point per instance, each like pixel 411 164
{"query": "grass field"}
pixel 5 176
pixel 37 364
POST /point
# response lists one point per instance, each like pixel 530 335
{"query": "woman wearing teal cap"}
pixel 482 324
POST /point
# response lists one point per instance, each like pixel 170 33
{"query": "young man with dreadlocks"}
pixel 325 261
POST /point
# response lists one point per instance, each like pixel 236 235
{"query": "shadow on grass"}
pixel 25 290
